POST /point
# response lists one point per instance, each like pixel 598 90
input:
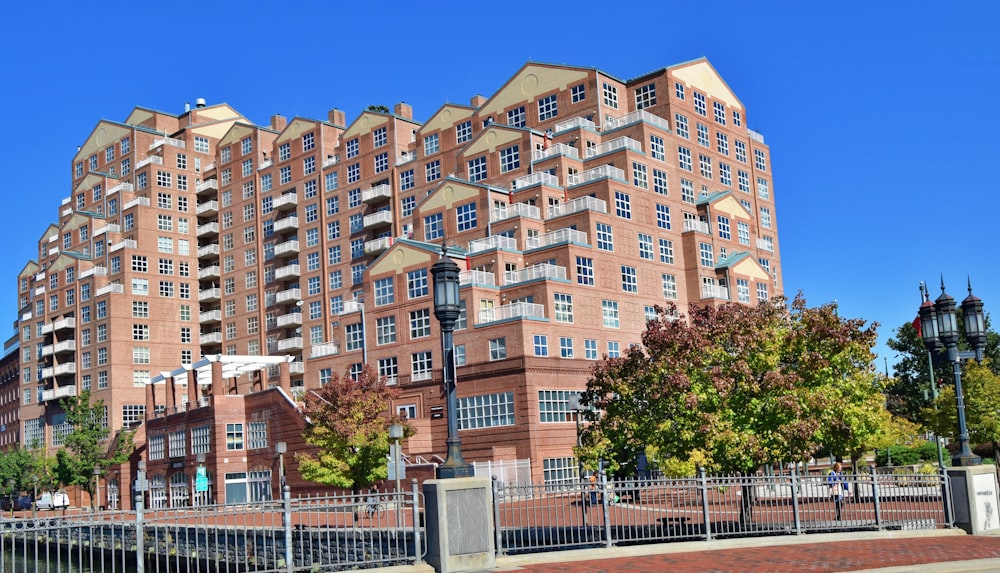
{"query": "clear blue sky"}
pixel 880 115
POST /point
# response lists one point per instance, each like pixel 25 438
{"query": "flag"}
pixel 916 324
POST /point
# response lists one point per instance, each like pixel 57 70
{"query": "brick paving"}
pixel 827 557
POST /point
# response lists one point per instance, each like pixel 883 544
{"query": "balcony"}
pixel 325 349
pixel 296 368
pixel 207 338
pixel 58 393
pixel 635 117
pixel 754 136
pixel 288 295
pixel 115 288
pixel 140 201
pixel 293 343
pixel 513 210
pixel 67 323
pixel 406 157
pixel 602 172
pixel 65 369
pixel 125 244
pixel 477 278
pixel 96 271
pixel 287 248
pixel 39 290
pixel 555 237
pixel 209 294
pixel 287 202
pixel 613 145
pixel 377 194
pixel 167 141
pixel 540 178
pixel 714 291
pixel 574 123
pixel 492 242
pixel 208 229
pixel 208 207
pixel 209 272
pixel 765 245
pixel 210 316
pixel 210 166
pixel 534 272
pixel 290 319
pixel 151 160
pixel 109 228
pixel 63 347
pixel 207 185
pixel 512 311
pixel 585 203
pixel 265 164
pixel 288 223
pixel 377 246
pixel 287 271
pixel 378 219
pixel 695 225
pixel 208 251
pixel 554 151
pixel 123 187
pixel 331 160
pixel 352 306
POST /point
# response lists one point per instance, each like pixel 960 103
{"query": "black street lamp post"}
pixel 447 309
pixel 939 328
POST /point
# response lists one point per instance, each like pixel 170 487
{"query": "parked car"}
pixel 52 500
pixel 20 502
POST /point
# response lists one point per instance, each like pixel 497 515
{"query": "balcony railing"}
pixel 479 278
pixel 288 247
pixel 296 368
pixel 67 323
pixel 59 393
pixel 755 136
pixel 379 245
pixel 585 203
pixel 285 202
pixel 574 123
pixel 143 201
pixel 765 245
pixel 331 160
pixel 286 224
pixel 492 242
pixel 123 187
pixel 288 295
pixel 406 157
pixel 151 160
pixel 541 271
pixel 265 164
pixel 352 306
pixel 290 319
pixel 209 250
pixel 208 272
pixel 695 225
pixel 208 229
pixel 379 219
pixel 505 212
pixel 555 237
pixel 376 194
pixel 208 207
pixel 206 185
pixel 210 316
pixel 511 311
pixel 293 343
pixel 553 151
pixel 109 228
pixel 540 178
pixel 613 145
pixel 115 288
pixel 714 291
pixel 210 338
pixel 209 294
pixel 97 271
pixel 634 117
pixel 325 349
pixel 601 172
pixel 292 270
pixel 167 141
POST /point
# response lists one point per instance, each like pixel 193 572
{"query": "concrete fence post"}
pixel 286 522
pixel 795 502
pixel 140 537
pixel 706 515
pixel 606 506
pixel 418 550
pixel 875 500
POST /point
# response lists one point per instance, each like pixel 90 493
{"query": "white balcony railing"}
pixel 290 319
pixel 64 369
pixel 539 178
pixel 574 123
pixel 293 343
pixel 151 160
pixel 167 141
pixel 288 295
pixel 208 207
pixel 67 323
pixel 292 270
pixel 635 117
pixel 115 288
pixel 208 272
pixel 481 278
pixel 210 316
pixel 288 247
pixel 765 245
pixel 265 164
pixel 755 136
pixel 379 245
pixel 123 187
pixel 714 291
pixel 209 294
pixel 406 157
pixel 141 201
pixel 288 200
pixel 585 203
pixel 352 306
pixel 286 224
pixel 58 393
pixel 492 242
pixel 377 193
pixel 555 150
pixel 325 349
pixel 378 219
pixel 696 225
pixel 541 271
pixel 208 229
pixel 210 338
pixel 96 271
pixel 601 172
pixel 331 160
pixel 211 249
pixel 296 368
pixel 206 185
pixel 109 228
pixel 512 311
pixel 555 237
pixel 613 145
pixel 504 212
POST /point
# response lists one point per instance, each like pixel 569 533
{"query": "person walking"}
pixel 838 487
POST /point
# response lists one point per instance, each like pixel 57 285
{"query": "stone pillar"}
pixel 976 501
pixel 193 393
pixel 218 383
pixel 285 377
pixel 460 534
pixel 150 401
pixel 171 396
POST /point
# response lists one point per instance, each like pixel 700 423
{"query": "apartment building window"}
pixel 662 216
pixel 486 411
pixel 354 336
pixel 639 176
pixel 336 278
pixel 234 437
pixel 669 286
pixel 762 190
pixel 706 254
pixel 743 290
pixel 578 93
pixel 381 162
pixel 432 171
pixel 385 330
pixel 498 349
pixel 762 292
pixel 140 309
pixel 540 345
pixel 416 283
pixel 388 368
pixel 609 313
pixel 660 182
pixel 725 174
pixel 590 349
pixel 156 447
pixel 379 137
pixel 463 132
pixel 330 181
pixel 765 217
pixel 563 304
pixel 140 181
pixel 285 175
pixel 723 228
pixel 407 205
pixel 610 95
pixel 516 117
pixel 629 279
pixel 477 169
pixel 353 148
pixel 743 232
pixel 466 216
pixel 720 112
pixel 420 323
pixel 605 237
pixel 164 179
pixel 384 292
pixel 553 406
pixel 699 103
pixel 421 365
pixel 406 180
pixel 102 378
pixel 645 246
pixel 510 159
pixel 687 191
pixel 741 151
pixel 548 107
pixel 705 166
pixel 585 271
pixel 684 158
pixel 431 144
pixel 613 349
pixel 246 168
pixel 645 96
pixel 759 160
pixel 201 440
pixel 314 286
pixel 744 181
pixel 258 435
pixel 266 182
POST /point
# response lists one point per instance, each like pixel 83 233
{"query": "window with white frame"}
pixel 645 96
pixel 258 435
pixel 466 216
pixel 662 216
pixel 421 366
pixel 699 103
pixel 684 158
pixel 516 117
pixel 201 440
pixel 486 411
pixel 610 95
pixel 669 286
pixel 645 246
pixel 605 237
pixel 463 132
pixel 477 168
pixel 498 349
pixel 629 279
pixel 563 304
pixel 706 254
pixel 609 313
pixel 510 159
pixel 548 107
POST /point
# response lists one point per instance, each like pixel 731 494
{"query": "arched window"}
pixel 180 495
pixel 158 491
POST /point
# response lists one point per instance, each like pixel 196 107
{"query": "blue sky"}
pixel 879 115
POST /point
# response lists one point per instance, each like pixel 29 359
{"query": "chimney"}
pixel 278 122
pixel 477 101
pixel 403 109
pixel 336 117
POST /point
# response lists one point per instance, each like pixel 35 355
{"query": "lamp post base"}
pixel 969 459
pixel 445 471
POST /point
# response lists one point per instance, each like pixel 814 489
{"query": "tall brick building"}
pixel 576 201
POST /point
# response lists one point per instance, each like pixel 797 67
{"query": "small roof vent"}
pixel 199 103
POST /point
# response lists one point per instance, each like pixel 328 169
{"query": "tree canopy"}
pixel 348 420
pixel 86 446
pixel 981 389
pixel 738 386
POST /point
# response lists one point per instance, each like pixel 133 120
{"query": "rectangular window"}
pixel 585 271
pixel 477 169
pixel 433 228
pixel 421 366
pixel 645 96
pixel 741 151
pixel 463 132
pixel 639 177
pixel 744 181
pixel 466 216
pixel 706 254
pixel 666 251
pixel 431 144
pixel 645 246
pixel 609 313
pixel 416 283
pixel 720 112
pixel 669 286
pixel 743 232
pixel 762 190
pixel 432 171
pixel 498 349
pixel 681 125
pixel 629 281
pixel 578 93
pixel 510 159
pixel 765 217
pixel 420 323
pixel 759 160
pixel 385 330
pixel 610 95
pixel 725 174
pixel 656 147
pixel 684 158
pixel 563 304
pixel 605 237
pixel 705 166
pixel 548 107
pixel 516 117
pixel 743 290
pixel 699 103
pixel 662 216
pixel 660 182
pixel 723 228
pixel 234 437
pixel 486 411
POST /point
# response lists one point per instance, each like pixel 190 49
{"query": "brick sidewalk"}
pixel 827 557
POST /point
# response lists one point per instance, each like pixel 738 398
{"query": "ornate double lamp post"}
pixel 939 329
pixel 447 309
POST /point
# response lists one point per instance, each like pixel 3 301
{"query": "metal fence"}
pixel 624 512
pixel 328 533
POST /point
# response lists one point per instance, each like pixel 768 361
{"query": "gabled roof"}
pixel 408 253
pixel 702 75
pixel 493 136
pixel 446 116
pixel 530 81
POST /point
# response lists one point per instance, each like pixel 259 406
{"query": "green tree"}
pixel 86 446
pixel 981 389
pixel 348 420
pixel 737 387
pixel 378 108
